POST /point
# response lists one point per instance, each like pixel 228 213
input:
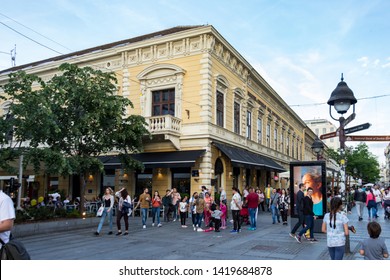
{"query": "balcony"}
pixel 167 126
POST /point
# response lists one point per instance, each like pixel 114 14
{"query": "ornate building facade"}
pixel 214 120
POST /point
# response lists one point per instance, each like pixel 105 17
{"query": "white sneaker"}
pixel 159 225
pixel 199 229
pixel 153 225
pixel 174 220
pixel 195 228
pixel 184 226
pixel 144 226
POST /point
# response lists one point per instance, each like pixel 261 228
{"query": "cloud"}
pixel 364 61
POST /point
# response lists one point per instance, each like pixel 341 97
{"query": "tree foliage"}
pixel 360 162
pixel 68 121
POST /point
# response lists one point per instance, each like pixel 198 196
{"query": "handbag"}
pixel 99 212
pixel 13 250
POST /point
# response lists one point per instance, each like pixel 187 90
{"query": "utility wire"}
pixel 317 104
pixel 30 38
pixel 36 32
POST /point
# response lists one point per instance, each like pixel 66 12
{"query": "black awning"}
pixel 244 158
pixel 158 160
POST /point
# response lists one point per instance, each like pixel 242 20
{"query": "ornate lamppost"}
pixel 341 99
pixel 317 148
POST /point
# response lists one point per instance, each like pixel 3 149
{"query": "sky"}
pixel 300 47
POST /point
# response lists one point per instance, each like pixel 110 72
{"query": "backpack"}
pixel 13 250
pixel 126 206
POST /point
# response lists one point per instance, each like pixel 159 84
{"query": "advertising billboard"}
pixel 311 174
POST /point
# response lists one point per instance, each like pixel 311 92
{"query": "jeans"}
pixel 144 212
pixel 102 219
pixel 275 214
pixel 336 253
pixel 309 224
pixel 267 203
pixel 374 210
pixel 199 217
pixel 156 211
pixel 193 217
pixel 236 219
pixel 300 222
pixel 119 216
pixel 252 216
pixel 183 216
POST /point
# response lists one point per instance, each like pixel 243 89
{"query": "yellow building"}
pixel 214 120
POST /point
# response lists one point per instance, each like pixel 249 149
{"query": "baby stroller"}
pixel 244 215
pixel 386 207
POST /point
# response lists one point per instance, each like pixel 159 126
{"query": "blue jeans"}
pixel 275 214
pixel 267 203
pixel 252 216
pixel 374 211
pixel 102 219
pixel 336 253
pixel 309 224
pixel 144 215
pixel 199 217
pixel 156 210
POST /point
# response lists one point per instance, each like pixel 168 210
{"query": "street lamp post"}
pixel 342 98
pixel 317 147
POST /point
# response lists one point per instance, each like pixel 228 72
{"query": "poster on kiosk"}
pixel 312 174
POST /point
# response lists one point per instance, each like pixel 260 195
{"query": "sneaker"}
pixel 239 230
pixel 119 233
pixel 195 228
pixel 298 238
pixel 185 226
pixel 96 233
pixel 313 240
pixel 251 228
pixel 233 231
pixel 305 237
pixel 126 233
pixel 144 226
pixel 159 225
pixel 174 220
pixel 199 229
pixel 153 225
pixel 292 235
pixel 110 232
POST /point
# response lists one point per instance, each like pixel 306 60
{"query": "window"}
pixel 292 148
pixel 163 102
pixel 268 135
pixel 288 146
pixel 259 131
pixel 281 143
pixel 317 131
pixel 249 124
pixel 220 109
pixel 276 138
pixel 324 130
pixel 237 117
pixel 332 129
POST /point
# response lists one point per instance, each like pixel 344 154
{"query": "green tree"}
pixel 358 159
pixel 68 122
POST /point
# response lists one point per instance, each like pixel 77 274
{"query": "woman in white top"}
pixel 123 196
pixel 335 225
pixel 108 203
pixel 235 206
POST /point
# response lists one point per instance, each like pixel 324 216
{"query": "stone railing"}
pixel 164 124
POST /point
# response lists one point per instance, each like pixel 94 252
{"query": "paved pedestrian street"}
pixel 171 242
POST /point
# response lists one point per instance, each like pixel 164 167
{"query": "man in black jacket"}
pixel 309 217
pixel 360 197
pixel 299 209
